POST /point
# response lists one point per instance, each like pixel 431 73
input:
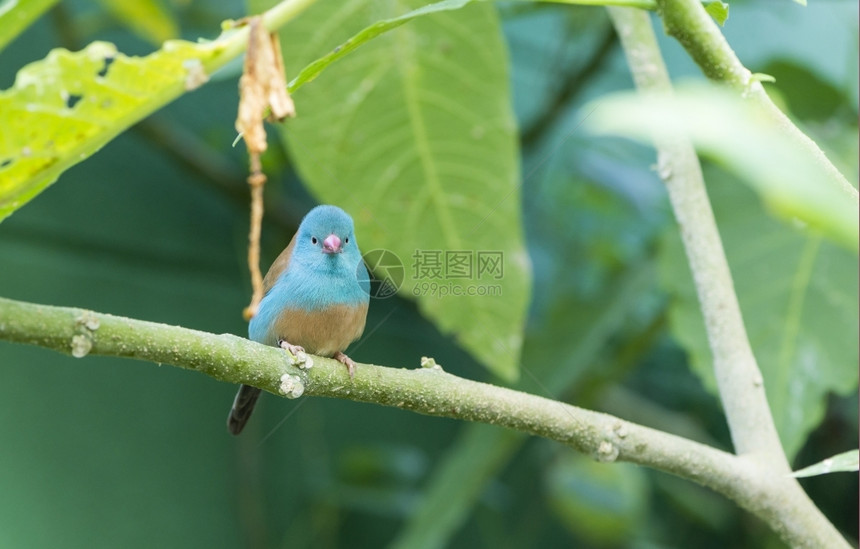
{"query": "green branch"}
pixel 689 23
pixel 739 380
pixel 737 373
pixel 428 391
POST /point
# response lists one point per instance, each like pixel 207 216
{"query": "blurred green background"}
pixel 109 453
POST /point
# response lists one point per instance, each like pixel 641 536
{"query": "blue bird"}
pixel 316 297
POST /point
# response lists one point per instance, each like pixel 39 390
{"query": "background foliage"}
pixel 113 453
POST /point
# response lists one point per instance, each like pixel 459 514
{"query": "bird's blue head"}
pixel 325 241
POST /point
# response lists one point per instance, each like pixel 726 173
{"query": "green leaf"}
pixel 16 15
pixel 798 295
pixel 146 18
pixel 845 462
pixel 313 70
pixel 792 183
pixel 605 504
pixel 66 107
pixel 415 137
pixel 762 77
pixel 809 95
pixel 718 10
pixel 461 477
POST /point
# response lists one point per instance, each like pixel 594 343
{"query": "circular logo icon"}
pixel 386 272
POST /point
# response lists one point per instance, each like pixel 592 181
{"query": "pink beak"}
pixel 331 245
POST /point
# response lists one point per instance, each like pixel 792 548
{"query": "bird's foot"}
pixel 299 357
pixel 346 361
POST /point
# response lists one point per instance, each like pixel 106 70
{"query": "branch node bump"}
pixel 291 386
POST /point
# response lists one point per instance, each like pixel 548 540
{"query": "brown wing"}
pixel 279 266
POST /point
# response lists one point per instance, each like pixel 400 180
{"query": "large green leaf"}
pixel 414 135
pixel 793 182
pixel 798 295
pixel 579 309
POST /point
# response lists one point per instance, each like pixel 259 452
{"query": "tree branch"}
pixel 738 376
pixel 739 380
pixel 689 23
pixel 424 390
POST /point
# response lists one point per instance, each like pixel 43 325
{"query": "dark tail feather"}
pixel 246 398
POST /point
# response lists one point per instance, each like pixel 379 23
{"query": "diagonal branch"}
pixel 738 377
pixel 739 380
pixel 424 390
pixel 689 23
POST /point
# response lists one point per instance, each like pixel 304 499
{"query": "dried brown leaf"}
pixel 262 87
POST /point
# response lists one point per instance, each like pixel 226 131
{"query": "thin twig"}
pixel 262 88
pixel 256 181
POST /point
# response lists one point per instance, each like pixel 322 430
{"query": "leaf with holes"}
pixel 798 294
pixel 67 106
pixel 414 135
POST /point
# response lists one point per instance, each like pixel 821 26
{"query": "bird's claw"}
pixel 346 361
pixel 299 357
pixel 294 349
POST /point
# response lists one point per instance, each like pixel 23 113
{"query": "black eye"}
pixel 346 240
pixel 313 240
